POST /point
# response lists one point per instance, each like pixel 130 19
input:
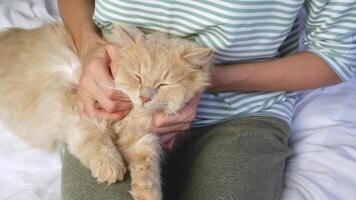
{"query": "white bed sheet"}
pixel 323 163
pixel 27 13
pixel 25 173
pixel 324 137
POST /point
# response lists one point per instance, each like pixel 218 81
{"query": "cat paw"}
pixel 146 191
pixel 108 168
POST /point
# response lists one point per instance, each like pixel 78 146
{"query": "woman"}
pixel 237 145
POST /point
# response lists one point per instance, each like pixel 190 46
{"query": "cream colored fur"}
pixel 38 100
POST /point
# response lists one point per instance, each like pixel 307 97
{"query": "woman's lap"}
pixel 238 159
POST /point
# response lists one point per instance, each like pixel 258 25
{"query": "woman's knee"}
pixel 237 161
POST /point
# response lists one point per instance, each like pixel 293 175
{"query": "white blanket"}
pixel 323 164
pixel 27 13
pixel 25 173
pixel 324 137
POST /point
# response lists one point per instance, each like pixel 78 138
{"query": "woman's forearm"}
pixel 294 72
pixel 77 17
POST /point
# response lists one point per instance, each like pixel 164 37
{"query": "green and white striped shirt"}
pixel 246 31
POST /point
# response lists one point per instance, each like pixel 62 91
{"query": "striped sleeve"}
pixel 331 34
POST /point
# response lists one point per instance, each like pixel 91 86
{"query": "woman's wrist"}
pixel 87 40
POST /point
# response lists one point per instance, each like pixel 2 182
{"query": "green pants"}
pixel 241 159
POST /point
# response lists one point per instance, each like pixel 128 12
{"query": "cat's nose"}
pixel 145 99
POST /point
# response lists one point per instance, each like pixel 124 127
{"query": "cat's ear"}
pixel 123 35
pixel 198 57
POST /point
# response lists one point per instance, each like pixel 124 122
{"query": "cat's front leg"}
pixel 144 163
pixel 91 143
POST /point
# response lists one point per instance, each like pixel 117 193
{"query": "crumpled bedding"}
pixel 26 173
pixel 323 140
pixel 323 163
pixel 27 13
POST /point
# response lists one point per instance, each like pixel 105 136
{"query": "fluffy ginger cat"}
pixel 39 71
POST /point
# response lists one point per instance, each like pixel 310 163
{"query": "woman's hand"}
pixel 96 55
pixel 97 98
pixel 169 126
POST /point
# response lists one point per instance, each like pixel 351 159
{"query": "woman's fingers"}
pixel 162 120
pixel 96 93
pixel 87 106
pixel 100 84
pixel 186 115
pixel 169 144
pixel 173 128
pixel 112 116
pixel 180 122
pixel 166 137
pixel 168 140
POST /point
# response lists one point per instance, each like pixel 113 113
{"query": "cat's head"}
pixel 157 71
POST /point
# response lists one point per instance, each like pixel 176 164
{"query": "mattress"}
pixel 323 136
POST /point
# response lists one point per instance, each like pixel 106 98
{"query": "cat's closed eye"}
pixel 138 78
pixel 162 85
